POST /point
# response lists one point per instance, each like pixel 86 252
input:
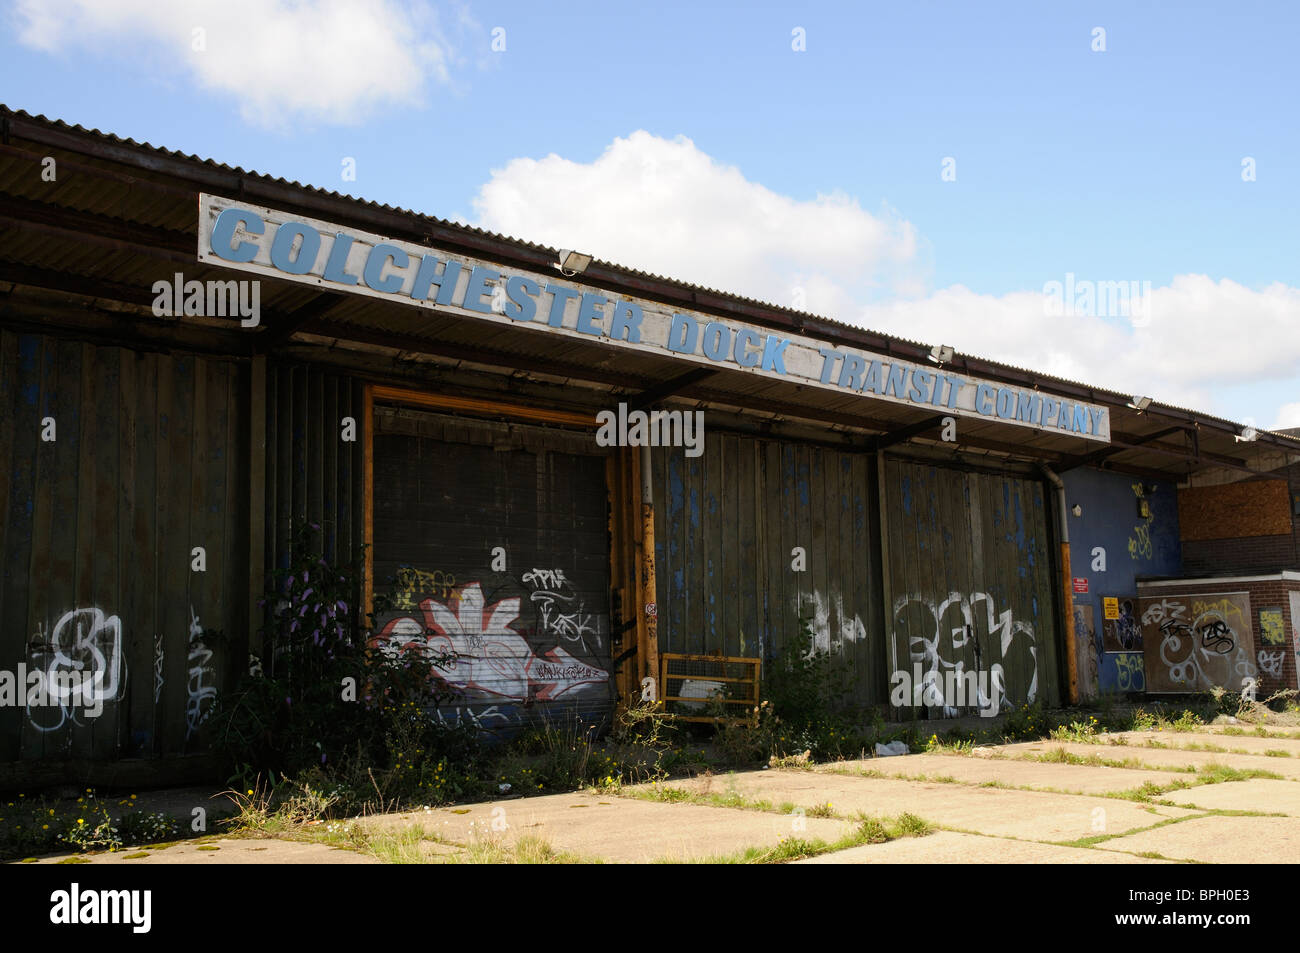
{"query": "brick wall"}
pixel 1247 553
pixel 1240 554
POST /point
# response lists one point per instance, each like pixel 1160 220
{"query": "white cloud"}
pixel 664 206
pixel 322 60
pixel 1288 416
pixel 1200 337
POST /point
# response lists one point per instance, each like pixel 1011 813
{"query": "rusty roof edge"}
pixel 209 174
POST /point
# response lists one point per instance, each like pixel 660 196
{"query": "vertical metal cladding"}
pixel 312 474
pixel 970 568
pixel 492 541
pixel 119 464
pixel 728 528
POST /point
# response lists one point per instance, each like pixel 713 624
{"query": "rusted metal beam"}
pixel 906 433
pixel 669 387
pixel 87 287
pixel 64 164
pixel 279 329
pixel 398 223
pixel 91 224
pixel 476 355
pixel 1133 442
pixel 1087 459
pixel 73 235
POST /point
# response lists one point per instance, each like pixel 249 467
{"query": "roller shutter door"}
pixel 495 537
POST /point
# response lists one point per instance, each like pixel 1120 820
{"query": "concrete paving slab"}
pixel 1029 815
pixel 1074 778
pixel 951 847
pixel 1245 726
pixel 1167 757
pixel 619 829
pixel 229 851
pixel 1259 794
pixel 1190 740
pixel 1220 840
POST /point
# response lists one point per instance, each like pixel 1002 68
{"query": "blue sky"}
pixel 695 140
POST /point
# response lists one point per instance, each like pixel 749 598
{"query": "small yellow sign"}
pixel 1110 607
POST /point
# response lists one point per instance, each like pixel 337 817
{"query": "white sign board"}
pixel 276 244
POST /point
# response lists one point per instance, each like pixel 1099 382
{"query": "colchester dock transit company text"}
pixel 279 245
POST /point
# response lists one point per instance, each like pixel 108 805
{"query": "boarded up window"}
pixel 1231 510
pixel 1194 643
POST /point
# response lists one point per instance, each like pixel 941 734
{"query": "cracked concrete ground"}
pixel 996 804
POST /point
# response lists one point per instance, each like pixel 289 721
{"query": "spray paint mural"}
pixel 496 672
pixel 1198 642
pixel 491 545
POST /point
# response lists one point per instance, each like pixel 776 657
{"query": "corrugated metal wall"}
pixel 312 473
pixel 726 525
pixel 969 549
pixel 496 535
pixel 96 531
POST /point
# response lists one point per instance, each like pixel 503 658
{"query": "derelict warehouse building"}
pixel 433 391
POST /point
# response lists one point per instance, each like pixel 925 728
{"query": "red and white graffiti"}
pixel 491 659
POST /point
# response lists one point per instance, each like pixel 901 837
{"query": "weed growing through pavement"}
pixel 31 825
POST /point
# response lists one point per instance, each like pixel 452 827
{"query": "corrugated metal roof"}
pixel 158 214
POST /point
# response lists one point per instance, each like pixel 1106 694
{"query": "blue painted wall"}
pixel 1134 547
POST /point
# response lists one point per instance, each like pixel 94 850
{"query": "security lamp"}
pixel 1248 433
pixel 1140 403
pixel 572 262
pixel 941 354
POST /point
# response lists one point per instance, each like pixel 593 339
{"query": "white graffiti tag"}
pixel 85 642
pixel 1162 611
pixel 1270 663
pixel 558 606
pixel 157 668
pixel 831 627
pixel 939 636
pixel 202 696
